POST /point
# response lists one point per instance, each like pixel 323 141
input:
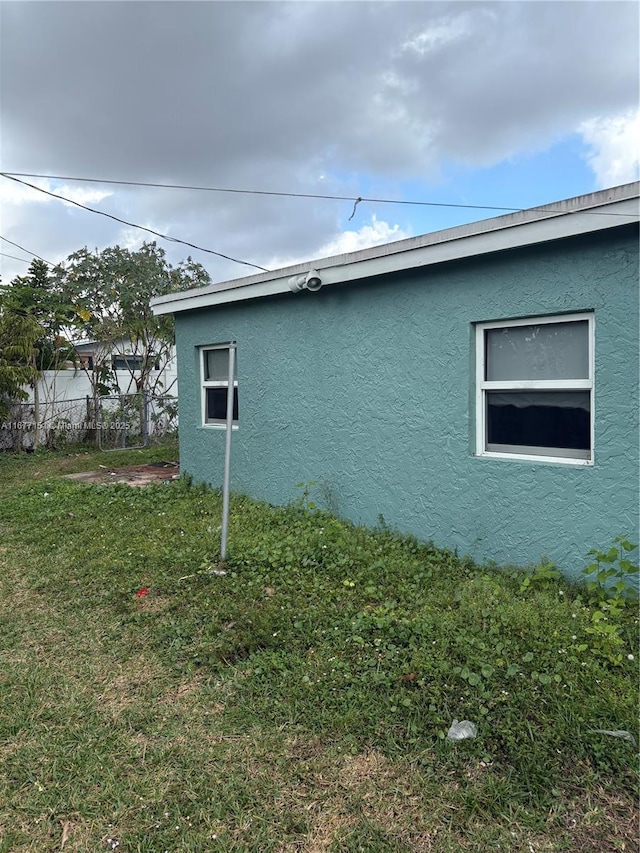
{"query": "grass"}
pixel 298 698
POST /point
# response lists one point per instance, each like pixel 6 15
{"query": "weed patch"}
pixel 297 698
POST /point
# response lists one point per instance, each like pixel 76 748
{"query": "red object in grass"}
pixel 141 592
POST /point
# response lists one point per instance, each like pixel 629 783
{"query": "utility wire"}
pixel 547 208
pixel 22 249
pixel 132 224
pixel 256 192
pixel 15 258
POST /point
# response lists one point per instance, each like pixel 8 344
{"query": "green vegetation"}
pixel 110 292
pixel 18 337
pixel 298 697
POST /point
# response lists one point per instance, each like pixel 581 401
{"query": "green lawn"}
pixel 298 698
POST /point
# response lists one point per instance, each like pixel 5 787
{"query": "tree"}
pixel 37 296
pixel 110 293
pixel 18 338
pixel 33 306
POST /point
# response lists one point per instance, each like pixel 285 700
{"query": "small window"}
pixel 127 362
pixel 215 384
pixel 534 388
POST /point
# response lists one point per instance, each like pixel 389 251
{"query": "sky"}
pixel 497 104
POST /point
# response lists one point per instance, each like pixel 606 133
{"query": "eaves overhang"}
pixel 584 214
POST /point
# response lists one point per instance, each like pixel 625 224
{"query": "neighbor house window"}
pixel 534 388
pixel 129 362
pixel 215 384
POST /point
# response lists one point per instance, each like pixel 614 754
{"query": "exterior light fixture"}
pixel 310 281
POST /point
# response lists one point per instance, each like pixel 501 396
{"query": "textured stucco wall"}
pixel 368 390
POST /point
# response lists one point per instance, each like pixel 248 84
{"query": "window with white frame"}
pixel 534 388
pixel 214 365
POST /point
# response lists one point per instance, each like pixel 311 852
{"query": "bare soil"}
pixel 132 475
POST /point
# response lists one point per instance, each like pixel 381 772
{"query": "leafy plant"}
pixel 110 292
pixel 612 573
pixel 610 589
pixel 327 658
pixel 546 571
pixel 304 501
pixel 18 338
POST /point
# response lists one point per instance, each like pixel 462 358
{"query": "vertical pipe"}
pixel 143 417
pixel 227 452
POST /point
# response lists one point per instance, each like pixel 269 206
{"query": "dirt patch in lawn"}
pixel 132 475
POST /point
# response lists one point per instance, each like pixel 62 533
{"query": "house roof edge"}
pixel 582 214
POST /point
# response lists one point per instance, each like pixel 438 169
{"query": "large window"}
pixel 534 388
pixel 215 384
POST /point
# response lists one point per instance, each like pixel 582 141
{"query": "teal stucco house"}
pixel 476 386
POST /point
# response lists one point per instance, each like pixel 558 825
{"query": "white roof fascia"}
pixel 582 215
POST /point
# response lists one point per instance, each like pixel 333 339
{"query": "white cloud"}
pixel 380 99
pixel 131 239
pixel 14 193
pixel 373 234
pixel 82 195
pixel 440 34
pixel 614 148
pixel 41 223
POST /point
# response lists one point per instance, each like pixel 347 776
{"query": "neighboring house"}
pixel 64 399
pixel 72 382
pixel 126 364
pixel 477 386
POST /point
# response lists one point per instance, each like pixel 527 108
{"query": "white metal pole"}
pixel 227 451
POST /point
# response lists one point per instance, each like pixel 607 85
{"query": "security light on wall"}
pixel 310 281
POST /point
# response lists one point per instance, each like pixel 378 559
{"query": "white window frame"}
pixel 483 386
pixel 213 383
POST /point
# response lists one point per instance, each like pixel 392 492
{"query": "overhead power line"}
pixel 22 249
pixel 16 258
pixel 279 194
pixel 132 224
pixel 253 192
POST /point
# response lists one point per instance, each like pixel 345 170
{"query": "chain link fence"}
pixel 110 423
